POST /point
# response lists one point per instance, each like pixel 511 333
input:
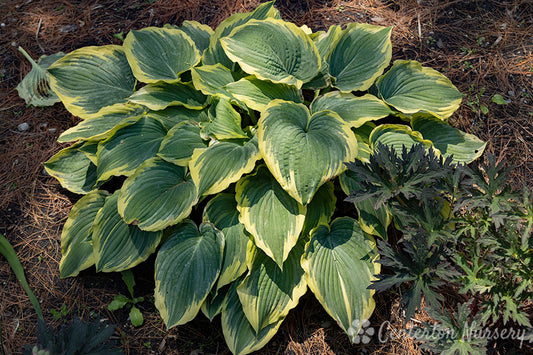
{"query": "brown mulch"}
pixel 484 47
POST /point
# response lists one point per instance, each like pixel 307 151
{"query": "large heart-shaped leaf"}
pixel 128 147
pixel 222 212
pixel 360 55
pixel 257 94
pixel 324 42
pixel 240 336
pixel 118 246
pixel 160 95
pixel 354 110
pixel 214 168
pixel 302 150
pixel 156 54
pixel 464 147
pixel 186 269
pixel 340 262
pixel 225 121
pixel 273 218
pixel 76 237
pixel 73 169
pixel 99 127
pixel 412 88
pixel 35 87
pixel 274 50
pixel 91 80
pixel 214 53
pixel 180 142
pixel 159 194
pixel 267 293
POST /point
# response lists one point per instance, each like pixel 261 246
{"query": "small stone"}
pixel 68 28
pixel 14 44
pixel 43 125
pixel 2 24
pixel 23 127
pixel 52 130
pixel 440 44
pixel 511 93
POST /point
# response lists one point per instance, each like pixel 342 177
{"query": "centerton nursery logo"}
pixel 362 333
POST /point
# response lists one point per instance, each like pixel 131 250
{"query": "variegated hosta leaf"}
pixel 160 95
pixel 274 50
pixel 76 237
pixel 410 88
pixel 359 56
pixel 158 54
pixel 214 168
pixel 303 151
pixel 225 121
pixel 198 32
pixel 267 293
pixel 180 142
pixel 186 269
pixel 89 148
pixel 212 305
pixel 273 218
pixel 320 209
pixel 372 221
pixel 118 246
pixel 354 110
pixel 257 94
pixel 214 53
pixel 340 262
pixel 99 127
pixel 91 80
pixel 73 169
pixel 240 336
pixel 324 42
pixel 464 147
pixel 128 147
pixel 363 141
pixel 35 87
pixel 173 115
pixel 211 79
pixel 157 195
pixel 396 136
pixel 222 212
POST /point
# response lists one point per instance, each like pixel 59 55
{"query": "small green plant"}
pixel 256 118
pixel 474 100
pixel 498 99
pixel 119 36
pixel 121 301
pixel 60 313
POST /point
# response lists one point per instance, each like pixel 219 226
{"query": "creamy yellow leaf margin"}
pixel 269 31
pixel 92 81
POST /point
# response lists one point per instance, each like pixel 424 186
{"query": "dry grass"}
pixel 477 44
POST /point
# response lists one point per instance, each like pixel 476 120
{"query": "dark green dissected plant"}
pixel 462 226
pixel 74 338
pixel 257 119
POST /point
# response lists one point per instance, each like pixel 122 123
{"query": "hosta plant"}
pixel 248 126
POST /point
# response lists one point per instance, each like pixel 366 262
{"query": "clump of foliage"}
pixel 461 227
pixel 249 126
pixel 74 338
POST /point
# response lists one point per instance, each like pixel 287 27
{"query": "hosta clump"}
pixel 256 118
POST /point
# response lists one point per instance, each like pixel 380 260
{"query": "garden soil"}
pixel 485 47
